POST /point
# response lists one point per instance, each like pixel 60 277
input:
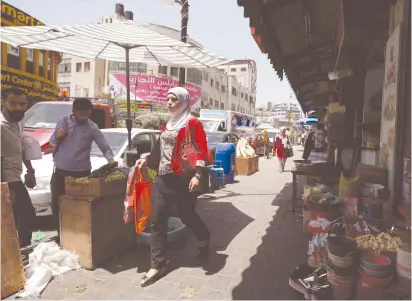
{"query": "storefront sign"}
pixel 389 105
pixel 13 16
pixel 149 88
pixel 137 107
pixel 33 87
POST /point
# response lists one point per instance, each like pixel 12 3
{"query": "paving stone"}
pixel 160 289
pixel 219 282
pixel 191 282
pixel 209 294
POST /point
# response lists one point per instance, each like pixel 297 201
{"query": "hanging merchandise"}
pixel 349 187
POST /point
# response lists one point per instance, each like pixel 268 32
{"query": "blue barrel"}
pixel 217 176
pixel 224 153
pixel 230 177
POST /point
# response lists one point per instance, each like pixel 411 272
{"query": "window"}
pixel 250 98
pixel 65 66
pixel 217 86
pixel 174 71
pixel 241 94
pixel 210 102
pixel 216 104
pixel 233 107
pixel 243 69
pixel 234 91
pixel 223 88
pixel 163 70
pixel 29 60
pixel 232 69
pixel 212 82
pixel 86 66
pixel 78 67
pixel 41 62
pixel 111 20
pixel 222 106
pixel 246 97
pixel 205 76
pixel 194 76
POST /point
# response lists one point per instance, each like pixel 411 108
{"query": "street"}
pixel 256 244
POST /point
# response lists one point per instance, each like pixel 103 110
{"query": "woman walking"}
pixel 180 157
pixel 280 147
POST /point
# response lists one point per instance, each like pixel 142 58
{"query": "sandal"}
pixel 146 281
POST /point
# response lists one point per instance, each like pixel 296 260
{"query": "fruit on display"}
pixel 115 176
pixel 382 242
pixel 244 150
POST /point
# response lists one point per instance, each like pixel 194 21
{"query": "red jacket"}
pixel 198 138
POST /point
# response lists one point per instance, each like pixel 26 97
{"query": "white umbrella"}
pixel 121 41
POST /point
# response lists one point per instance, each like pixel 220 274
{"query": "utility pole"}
pixel 183 34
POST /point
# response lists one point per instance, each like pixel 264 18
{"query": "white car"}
pixel 142 139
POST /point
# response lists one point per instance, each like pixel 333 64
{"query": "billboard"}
pixel 149 88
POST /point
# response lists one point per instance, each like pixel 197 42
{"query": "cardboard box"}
pixel 255 163
pixel 94 228
pixel 12 273
pixel 95 187
pixel 244 166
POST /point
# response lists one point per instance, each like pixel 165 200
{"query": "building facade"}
pixel 281 110
pixel 33 71
pixel 81 77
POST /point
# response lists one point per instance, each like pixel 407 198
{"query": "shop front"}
pixel 353 66
pixel 31 70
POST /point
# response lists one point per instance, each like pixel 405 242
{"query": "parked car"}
pixel 142 139
pixel 257 141
pixel 213 138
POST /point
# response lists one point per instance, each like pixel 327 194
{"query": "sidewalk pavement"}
pixel 256 245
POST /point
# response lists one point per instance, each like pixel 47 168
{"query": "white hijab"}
pixel 179 118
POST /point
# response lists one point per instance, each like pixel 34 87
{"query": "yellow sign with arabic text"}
pixel 33 86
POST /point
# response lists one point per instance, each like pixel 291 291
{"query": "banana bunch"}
pixel 244 150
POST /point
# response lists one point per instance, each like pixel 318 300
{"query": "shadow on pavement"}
pixel 224 221
pixel 283 246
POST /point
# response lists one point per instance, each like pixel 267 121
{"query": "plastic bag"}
pixel 31 148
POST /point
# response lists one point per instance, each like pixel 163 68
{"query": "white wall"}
pixel 83 83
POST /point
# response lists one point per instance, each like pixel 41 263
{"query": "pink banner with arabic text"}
pixel 149 88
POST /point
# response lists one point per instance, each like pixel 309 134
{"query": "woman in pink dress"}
pixel 281 142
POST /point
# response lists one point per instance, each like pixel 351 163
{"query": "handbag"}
pixel 188 150
pixel 288 151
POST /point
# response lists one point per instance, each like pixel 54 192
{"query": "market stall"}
pixel 356 250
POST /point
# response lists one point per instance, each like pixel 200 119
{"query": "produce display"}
pixel 107 172
pixel 244 150
pixel 151 173
pixel 381 242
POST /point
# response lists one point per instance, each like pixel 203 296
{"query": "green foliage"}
pixel 154 121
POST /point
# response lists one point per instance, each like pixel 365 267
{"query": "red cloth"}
pixel 199 141
pixel 278 148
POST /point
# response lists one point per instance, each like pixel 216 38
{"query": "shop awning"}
pixel 300 43
pixel 108 41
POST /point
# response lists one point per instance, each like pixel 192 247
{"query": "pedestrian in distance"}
pixel 179 157
pixel 281 147
pixel 14 106
pixel 72 140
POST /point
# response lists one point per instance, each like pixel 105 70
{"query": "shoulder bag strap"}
pixel 188 137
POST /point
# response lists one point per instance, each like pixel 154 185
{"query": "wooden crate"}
pixel 12 273
pixel 95 187
pixel 94 228
pixel 247 166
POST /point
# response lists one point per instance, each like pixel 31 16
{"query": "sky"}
pixel 219 25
